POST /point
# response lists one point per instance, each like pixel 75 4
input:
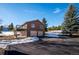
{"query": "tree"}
pixel 44 21
pixel 1 28
pixel 11 27
pixel 71 20
pixel 55 28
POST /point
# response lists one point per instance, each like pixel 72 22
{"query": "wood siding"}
pixel 30 31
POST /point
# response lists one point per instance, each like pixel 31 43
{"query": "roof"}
pixel 32 21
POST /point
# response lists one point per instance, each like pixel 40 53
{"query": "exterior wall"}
pixel 25 26
pixel 40 33
pixel 38 30
pixel 21 33
pixel 33 33
pixel 38 27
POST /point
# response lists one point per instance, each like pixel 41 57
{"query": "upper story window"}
pixel 40 26
pixel 33 25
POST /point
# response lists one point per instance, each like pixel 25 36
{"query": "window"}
pixel 33 25
pixel 40 26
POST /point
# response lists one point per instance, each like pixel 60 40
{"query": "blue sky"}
pixel 18 13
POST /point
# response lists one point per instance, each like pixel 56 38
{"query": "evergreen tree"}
pixel 55 28
pixel 1 28
pixel 11 27
pixel 71 20
pixel 44 21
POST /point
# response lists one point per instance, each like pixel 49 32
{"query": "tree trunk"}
pixel 70 34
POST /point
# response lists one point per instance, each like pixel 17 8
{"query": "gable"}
pixel 30 22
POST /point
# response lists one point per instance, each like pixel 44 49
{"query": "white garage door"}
pixel 33 33
pixel 40 33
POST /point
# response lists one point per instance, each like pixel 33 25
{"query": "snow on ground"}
pixel 54 33
pixel 53 36
pixel 3 46
pixel 26 40
pixel 7 33
pixel 4 43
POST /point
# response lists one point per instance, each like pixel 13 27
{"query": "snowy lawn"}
pixel 7 33
pixel 53 36
pixel 4 43
pixel 53 33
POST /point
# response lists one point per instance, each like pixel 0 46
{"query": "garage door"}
pixel 33 33
pixel 40 33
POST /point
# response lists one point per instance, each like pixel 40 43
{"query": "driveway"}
pixel 44 48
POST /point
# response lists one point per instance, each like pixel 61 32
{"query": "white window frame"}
pixel 41 27
pixel 33 25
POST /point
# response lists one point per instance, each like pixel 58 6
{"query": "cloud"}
pixel 57 10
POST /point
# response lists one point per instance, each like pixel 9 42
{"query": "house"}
pixel 31 28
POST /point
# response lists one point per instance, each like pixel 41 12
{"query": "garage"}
pixel 40 33
pixel 21 33
pixel 33 33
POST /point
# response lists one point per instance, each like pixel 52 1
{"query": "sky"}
pixel 19 13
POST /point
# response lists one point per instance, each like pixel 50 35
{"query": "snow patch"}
pixel 7 33
pixel 53 33
pixel 4 43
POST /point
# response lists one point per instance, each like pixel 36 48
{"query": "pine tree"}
pixel 71 20
pixel 44 21
pixel 1 28
pixel 11 27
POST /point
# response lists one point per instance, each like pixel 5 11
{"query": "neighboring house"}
pixel 31 28
pixel 5 28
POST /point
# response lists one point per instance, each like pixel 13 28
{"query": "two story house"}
pixel 31 28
